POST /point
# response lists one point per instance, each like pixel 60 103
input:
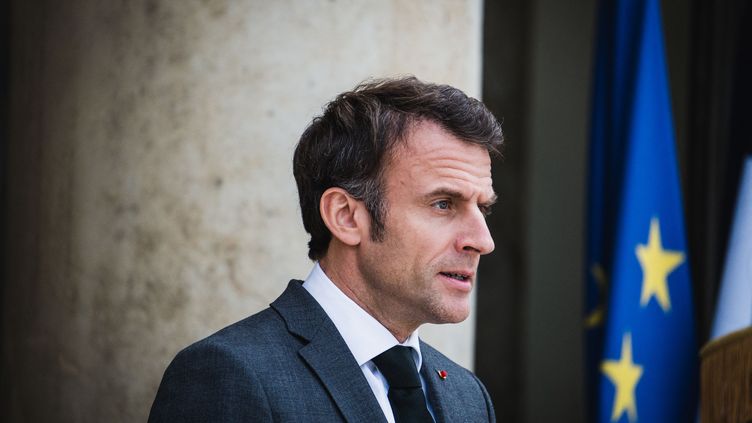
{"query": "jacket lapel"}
pixel 437 393
pixel 342 376
pixel 328 355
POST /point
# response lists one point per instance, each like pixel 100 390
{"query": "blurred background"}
pixel 148 197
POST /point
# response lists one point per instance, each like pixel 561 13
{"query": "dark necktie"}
pixel 405 392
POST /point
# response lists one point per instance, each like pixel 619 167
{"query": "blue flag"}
pixel 641 337
pixel 734 306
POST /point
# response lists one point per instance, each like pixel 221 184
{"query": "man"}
pixel 394 182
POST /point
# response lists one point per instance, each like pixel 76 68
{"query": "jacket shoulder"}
pixel 253 332
pixel 205 381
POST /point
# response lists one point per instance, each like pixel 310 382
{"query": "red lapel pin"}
pixel 442 374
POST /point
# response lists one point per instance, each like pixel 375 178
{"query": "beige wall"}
pixel 150 199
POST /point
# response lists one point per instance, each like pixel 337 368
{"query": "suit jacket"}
pixel 289 363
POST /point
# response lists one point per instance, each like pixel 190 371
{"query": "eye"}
pixel 442 204
pixel 486 210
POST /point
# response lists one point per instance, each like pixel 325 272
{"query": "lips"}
pixel 460 276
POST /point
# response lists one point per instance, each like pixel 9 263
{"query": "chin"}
pixel 455 314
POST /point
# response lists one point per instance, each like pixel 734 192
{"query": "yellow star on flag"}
pixel 625 375
pixel 656 264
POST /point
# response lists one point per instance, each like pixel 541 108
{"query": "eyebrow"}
pixel 452 193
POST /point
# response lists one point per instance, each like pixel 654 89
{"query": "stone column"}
pixel 149 195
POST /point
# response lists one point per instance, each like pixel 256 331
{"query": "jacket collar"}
pixel 327 354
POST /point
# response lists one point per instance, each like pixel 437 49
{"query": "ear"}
pixel 343 215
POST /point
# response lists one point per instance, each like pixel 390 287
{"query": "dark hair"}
pixel 348 145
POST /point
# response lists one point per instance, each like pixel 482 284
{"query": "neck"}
pixel 358 290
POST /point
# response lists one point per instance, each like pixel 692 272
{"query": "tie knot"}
pixel 398 367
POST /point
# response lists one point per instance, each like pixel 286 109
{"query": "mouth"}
pixel 458 276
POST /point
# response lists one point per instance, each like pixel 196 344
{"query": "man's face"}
pixel 437 191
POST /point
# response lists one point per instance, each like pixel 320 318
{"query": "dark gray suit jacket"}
pixel 289 363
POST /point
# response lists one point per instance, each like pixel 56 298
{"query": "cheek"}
pixel 434 244
pixel 417 237
pixel 419 233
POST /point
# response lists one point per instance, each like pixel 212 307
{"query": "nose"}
pixel 475 236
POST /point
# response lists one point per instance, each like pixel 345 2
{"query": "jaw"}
pixel 450 301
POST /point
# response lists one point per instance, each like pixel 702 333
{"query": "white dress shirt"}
pixel 365 336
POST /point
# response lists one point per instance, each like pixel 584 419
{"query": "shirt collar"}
pixel 364 335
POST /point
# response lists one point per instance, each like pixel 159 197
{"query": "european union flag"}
pixel 641 340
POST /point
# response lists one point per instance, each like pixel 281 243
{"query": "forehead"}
pixel 434 155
